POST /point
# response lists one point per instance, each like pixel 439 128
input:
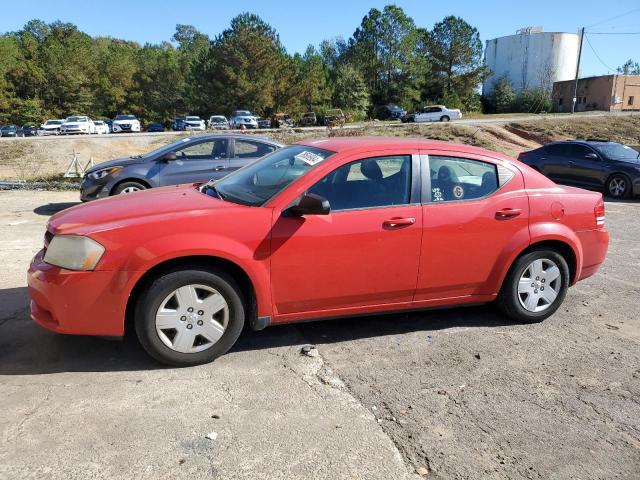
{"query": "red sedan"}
pixel 324 228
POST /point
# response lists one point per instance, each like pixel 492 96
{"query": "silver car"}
pixel 243 117
pixel 189 160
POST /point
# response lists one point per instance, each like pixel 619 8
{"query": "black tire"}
pixel 508 300
pixel 128 185
pixel 444 118
pixel 612 188
pixel 152 297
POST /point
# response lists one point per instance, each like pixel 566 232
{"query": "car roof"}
pixel 238 136
pixel 587 141
pixel 345 144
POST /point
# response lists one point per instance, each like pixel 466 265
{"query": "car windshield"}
pixel 193 119
pixel 218 119
pixel 617 151
pixel 125 117
pixel 54 122
pixel 260 181
pixel 77 119
pixel 98 122
pixel 243 113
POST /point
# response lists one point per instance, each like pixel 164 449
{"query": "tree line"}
pixel 54 70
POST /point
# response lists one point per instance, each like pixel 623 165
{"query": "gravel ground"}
pixel 460 393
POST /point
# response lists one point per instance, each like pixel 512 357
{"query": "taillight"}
pixel 598 212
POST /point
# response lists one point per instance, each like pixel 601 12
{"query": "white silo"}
pixel 531 59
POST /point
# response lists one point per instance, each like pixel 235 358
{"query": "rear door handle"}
pixel 507 213
pixel 398 222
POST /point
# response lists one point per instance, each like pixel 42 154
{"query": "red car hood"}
pixel 168 202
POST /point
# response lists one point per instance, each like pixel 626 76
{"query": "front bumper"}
pixel 125 128
pixel 92 190
pixel 78 303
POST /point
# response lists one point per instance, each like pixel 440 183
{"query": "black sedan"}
pixel 389 112
pixel 155 127
pixel 601 165
pixel 193 159
pixel 29 130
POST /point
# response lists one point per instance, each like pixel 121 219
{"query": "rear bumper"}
pixel 595 244
pixel 79 303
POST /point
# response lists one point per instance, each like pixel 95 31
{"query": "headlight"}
pixel 73 252
pixel 98 174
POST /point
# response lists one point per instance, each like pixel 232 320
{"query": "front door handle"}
pixel 398 222
pixel 571 164
pixel 507 213
pixel 219 167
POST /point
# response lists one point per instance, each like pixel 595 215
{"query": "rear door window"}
pixel 455 179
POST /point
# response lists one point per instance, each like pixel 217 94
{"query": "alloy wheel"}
pixel 617 187
pixel 539 285
pixel 192 318
pixel 130 189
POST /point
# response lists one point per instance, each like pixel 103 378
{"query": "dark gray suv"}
pixel 192 159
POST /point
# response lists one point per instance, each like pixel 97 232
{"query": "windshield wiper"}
pixel 210 187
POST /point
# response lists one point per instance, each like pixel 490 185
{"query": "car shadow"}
pixel 28 349
pixel 51 208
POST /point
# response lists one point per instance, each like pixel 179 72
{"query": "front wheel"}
pixel 128 187
pixel 444 118
pixel 189 317
pixel 535 287
pixel 618 186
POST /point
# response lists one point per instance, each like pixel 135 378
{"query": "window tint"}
pixel 454 179
pixel 579 151
pixel 204 150
pixel 373 182
pixel 560 149
pixel 249 149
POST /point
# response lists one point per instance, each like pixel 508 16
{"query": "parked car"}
pixel 50 127
pixel 218 122
pixel 264 122
pixel 101 127
pixel 282 120
pixel 437 113
pixel 243 117
pixel 155 127
pixel 193 159
pixel 609 167
pixel 193 122
pixel 308 119
pixel 29 130
pixel 9 131
pixel 125 124
pixel 334 118
pixel 389 112
pixel 329 228
pixel 77 124
pixel 178 124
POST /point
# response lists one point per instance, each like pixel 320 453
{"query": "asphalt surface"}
pixel 459 393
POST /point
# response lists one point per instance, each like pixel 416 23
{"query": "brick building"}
pixel 612 93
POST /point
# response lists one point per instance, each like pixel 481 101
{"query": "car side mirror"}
pixel 170 157
pixel 592 156
pixel 308 204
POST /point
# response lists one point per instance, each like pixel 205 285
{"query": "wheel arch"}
pixel 563 248
pixel 129 179
pixel 208 262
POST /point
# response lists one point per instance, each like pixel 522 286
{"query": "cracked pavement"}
pixel 462 393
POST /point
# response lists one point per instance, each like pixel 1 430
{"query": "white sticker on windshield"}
pixel 309 158
pixel 185 139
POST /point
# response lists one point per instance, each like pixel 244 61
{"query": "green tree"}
pixel 350 91
pixel 455 50
pixel 630 68
pixel 503 96
pixel 310 86
pixel 384 48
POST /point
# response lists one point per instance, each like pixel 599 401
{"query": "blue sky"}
pixel 300 22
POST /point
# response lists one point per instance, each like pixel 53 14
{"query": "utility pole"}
pixel 575 86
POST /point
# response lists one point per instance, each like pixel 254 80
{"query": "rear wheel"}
pixel 535 287
pixel 189 317
pixel 444 118
pixel 129 187
pixel 618 186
